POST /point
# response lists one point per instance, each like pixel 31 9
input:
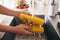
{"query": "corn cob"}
pixel 35 29
pixel 32 19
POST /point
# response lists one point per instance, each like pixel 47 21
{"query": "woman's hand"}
pixel 25 12
pixel 22 29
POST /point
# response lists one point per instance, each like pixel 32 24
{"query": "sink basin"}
pixel 12 36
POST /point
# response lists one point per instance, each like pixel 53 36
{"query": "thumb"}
pixel 28 27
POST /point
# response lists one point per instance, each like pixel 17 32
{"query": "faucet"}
pixel 54 8
pixel 58 13
pixel 55 13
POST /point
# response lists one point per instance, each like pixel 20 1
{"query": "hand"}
pixel 23 29
pixel 23 12
pixel 27 13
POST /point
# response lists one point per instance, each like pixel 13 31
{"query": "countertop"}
pixel 5 20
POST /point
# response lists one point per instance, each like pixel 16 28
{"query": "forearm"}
pixel 6 11
pixel 4 28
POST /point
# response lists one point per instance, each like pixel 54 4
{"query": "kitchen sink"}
pixel 49 33
pixel 12 36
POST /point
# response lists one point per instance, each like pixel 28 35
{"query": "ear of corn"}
pixel 32 19
pixel 35 29
pixel 35 20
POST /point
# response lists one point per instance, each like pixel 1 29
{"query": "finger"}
pixel 26 12
pixel 27 32
pixel 24 21
pixel 28 27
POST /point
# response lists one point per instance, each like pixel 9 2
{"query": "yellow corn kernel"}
pixel 32 19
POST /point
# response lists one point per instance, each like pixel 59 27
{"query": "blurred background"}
pixel 37 7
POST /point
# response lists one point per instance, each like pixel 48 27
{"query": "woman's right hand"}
pixel 23 29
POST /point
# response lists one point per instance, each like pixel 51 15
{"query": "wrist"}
pixel 16 14
pixel 12 30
